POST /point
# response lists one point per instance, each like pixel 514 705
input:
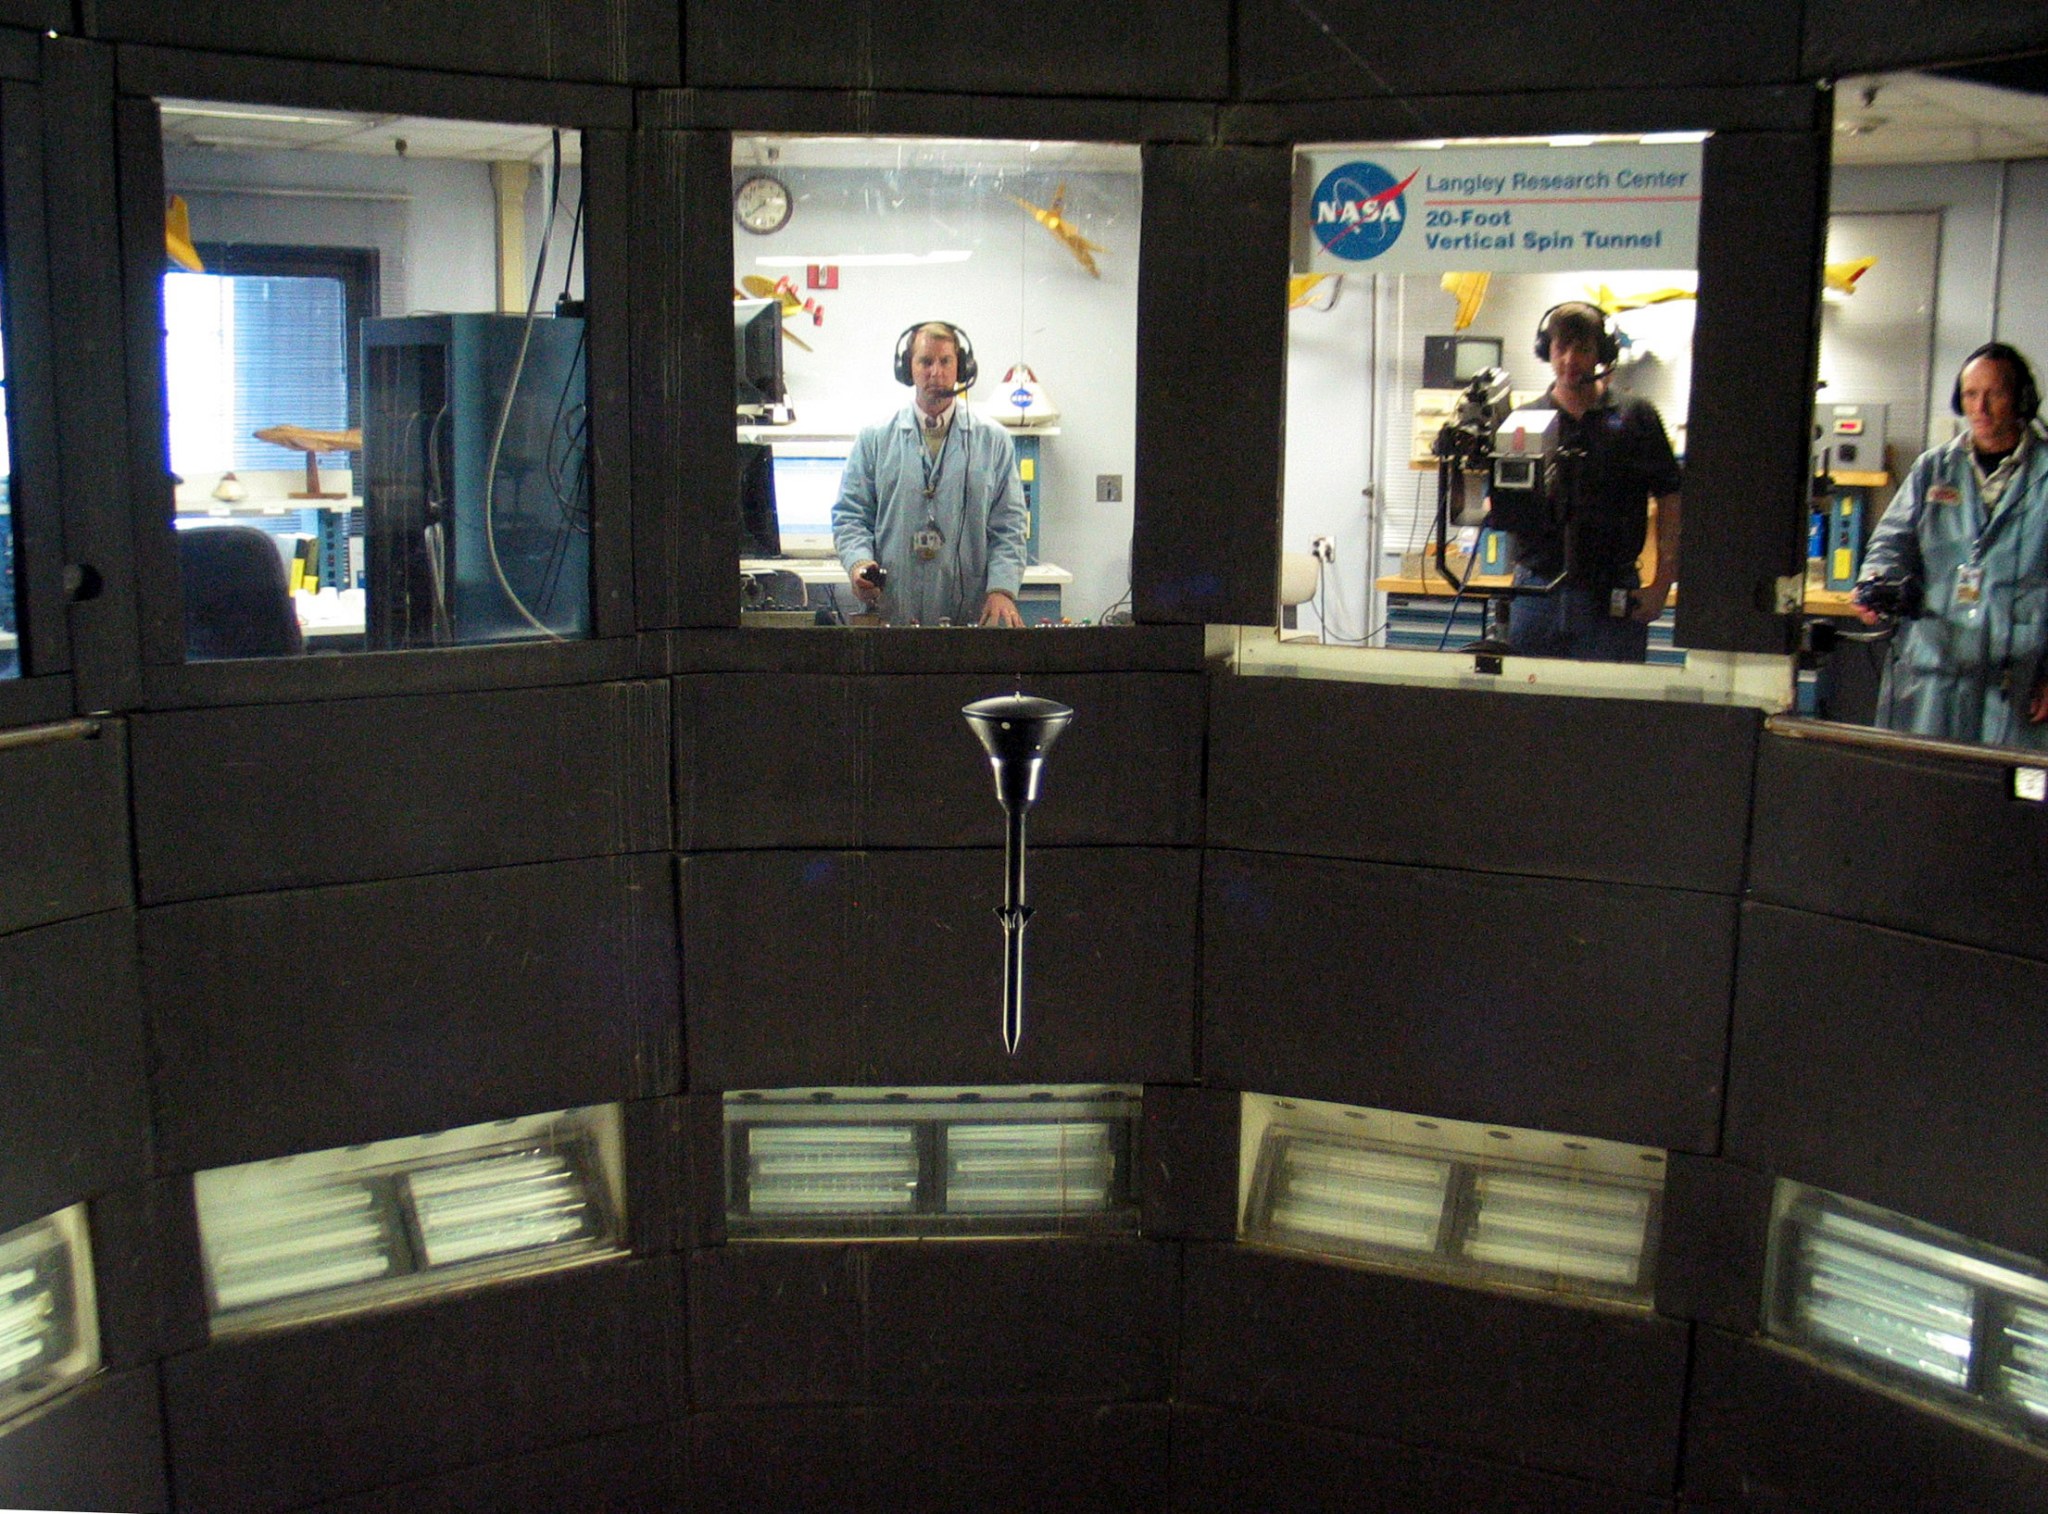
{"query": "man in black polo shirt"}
pixel 1601 612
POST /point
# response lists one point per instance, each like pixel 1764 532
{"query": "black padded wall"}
pixel 100 1447
pixel 1531 1384
pixel 1861 36
pixel 281 1420
pixel 300 796
pixel 597 41
pixel 1151 49
pixel 1212 380
pixel 1351 49
pixel 1755 351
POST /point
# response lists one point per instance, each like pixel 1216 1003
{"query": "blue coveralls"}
pixel 1961 670
pixel 977 505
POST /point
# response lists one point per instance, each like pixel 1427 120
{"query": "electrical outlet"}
pixel 1109 488
pixel 1324 549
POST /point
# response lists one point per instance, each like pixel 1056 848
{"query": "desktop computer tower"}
pixel 459 551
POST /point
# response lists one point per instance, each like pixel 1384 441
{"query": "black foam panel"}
pixel 100 1446
pixel 1188 1156
pixel 1756 341
pixel 1898 1070
pixel 795 760
pixel 1774 1426
pixel 601 41
pixel 826 968
pixel 1927 844
pixel 1212 365
pixel 630 1472
pixel 884 1459
pixel 1154 48
pixel 1354 49
pixel 311 1018
pixel 302 795
pixel 887 1323
pixel 74 1079
pixel 281 1419
pixel 1225 1462
pixel 1866 36
pixel 1583 1008
pixel 1543 1386
pixel 1715 1233
pixel 1618 790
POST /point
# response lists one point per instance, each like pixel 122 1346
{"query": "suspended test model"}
pixel 1017 730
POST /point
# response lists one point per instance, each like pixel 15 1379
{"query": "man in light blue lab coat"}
pixel 1966 537
pixel 930 523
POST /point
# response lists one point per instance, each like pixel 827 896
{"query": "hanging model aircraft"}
pixel 1054 219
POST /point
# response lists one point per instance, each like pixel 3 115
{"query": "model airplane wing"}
pixel 1842 277
pixel 1469 290
pixel 178 235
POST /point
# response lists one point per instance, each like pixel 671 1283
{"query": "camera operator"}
pixel 1962 554
pixel 1601 613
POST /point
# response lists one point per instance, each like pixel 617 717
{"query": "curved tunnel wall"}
pixel 246 915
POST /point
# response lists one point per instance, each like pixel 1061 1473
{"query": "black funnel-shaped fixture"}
pixel 1017 731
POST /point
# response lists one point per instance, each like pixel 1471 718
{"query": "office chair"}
pixel 237 601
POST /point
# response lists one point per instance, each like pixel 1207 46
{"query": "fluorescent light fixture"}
pixel 1672 138
pixel 332 1232
pixel 1573 140
pixel 928 1161
pixel 259 113
pixel 1458 1201
pixel 1921 1311
pixel 866 259
pixel 49 1326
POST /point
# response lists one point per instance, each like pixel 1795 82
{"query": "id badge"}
pixel 1969 583
pixel 926 543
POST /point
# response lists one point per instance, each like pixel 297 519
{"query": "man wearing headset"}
pixel 930 523
pixel 1966 539
pixel 1601 612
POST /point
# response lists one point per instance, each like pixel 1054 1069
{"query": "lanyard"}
pixel 934 466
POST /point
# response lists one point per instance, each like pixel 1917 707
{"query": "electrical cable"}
pixel 505 411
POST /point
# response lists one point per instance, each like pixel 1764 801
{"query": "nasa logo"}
pixel 1357 212
pixel 1021 397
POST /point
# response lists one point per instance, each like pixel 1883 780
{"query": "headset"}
pixel 2026 397
pixel 968 370
pixel 1608 346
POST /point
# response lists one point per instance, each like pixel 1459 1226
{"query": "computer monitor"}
pixel 760 534
pixel 1451 362
pixel 806 488
pixel 757 353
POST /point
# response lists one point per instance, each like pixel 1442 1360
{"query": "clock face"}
pixel 761 204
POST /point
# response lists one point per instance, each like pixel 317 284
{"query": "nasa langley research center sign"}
pixel 1498 209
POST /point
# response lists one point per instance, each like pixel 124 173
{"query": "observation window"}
pixel 335 1232
pixel 1435 497
pixel 1922 1311
pixel 1935 211
pixel 375 365
pixel 10 612
pixel 1475 1204
pixel 1028 252
pixel 822 1162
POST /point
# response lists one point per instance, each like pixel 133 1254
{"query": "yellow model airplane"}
pixel 783 293
pixel 1053 218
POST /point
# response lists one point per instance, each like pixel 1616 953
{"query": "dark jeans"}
pixel 1573 623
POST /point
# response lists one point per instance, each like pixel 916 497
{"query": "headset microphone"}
pixel 967 370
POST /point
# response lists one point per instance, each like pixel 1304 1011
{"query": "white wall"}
pixel 1020 295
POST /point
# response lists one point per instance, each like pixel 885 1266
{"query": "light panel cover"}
pixel 49 1327
pixel 330 1232
pixel 1922 1311
pixel 1468 1203
pixel 928 1161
